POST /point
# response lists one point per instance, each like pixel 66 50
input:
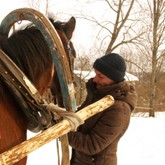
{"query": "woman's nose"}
pixel 95 79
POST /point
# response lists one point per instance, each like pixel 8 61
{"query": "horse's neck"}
pixel 12 116
pixel 12 127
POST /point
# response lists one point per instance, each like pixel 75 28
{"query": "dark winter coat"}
pixel 95 142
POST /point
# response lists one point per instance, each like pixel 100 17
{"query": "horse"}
pixel 28 49
pixel 65 31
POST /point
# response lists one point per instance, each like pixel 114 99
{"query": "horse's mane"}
pixel 27 47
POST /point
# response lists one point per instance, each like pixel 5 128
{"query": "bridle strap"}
pixel 70 51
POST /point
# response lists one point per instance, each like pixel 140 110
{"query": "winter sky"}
pixel 63 10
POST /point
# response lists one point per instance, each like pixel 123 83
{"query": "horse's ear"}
pixel 70 26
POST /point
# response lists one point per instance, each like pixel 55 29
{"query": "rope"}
pixel 61 113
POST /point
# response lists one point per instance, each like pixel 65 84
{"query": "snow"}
pixel 142 144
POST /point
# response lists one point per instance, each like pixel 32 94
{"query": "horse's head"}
pixel 65 31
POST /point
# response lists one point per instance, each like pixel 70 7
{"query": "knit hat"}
pixel 111 65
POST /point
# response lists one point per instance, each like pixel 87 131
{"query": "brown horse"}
pixel 29 51
pixel 65 31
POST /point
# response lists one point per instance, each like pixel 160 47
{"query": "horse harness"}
pixel 70 51
pixel 26 95
pixel 32 104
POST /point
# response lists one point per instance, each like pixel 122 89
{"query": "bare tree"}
pixel 82 64
pixel 118 24
pixel 138 34
pixel 129 27
pixel 34 4
pixel 37 4
pixel 156 42
pixel 122 11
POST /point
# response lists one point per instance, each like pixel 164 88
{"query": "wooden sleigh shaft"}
pixel 20 151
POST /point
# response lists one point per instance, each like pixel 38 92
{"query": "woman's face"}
pixel 101 80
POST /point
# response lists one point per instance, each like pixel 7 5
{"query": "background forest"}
pixel 133 28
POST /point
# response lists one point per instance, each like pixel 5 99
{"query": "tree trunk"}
pixel 153 91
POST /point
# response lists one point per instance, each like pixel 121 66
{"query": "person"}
pixel 95 142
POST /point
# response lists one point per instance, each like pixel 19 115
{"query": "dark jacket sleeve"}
pixel 110 125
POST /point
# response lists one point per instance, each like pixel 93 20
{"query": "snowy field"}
pixel 143 144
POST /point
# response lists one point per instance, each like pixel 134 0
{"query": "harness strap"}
pixel 70 51
pixel 25 94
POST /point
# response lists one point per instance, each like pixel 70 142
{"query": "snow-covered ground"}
pixel 143 144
